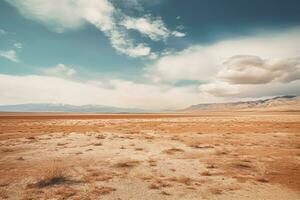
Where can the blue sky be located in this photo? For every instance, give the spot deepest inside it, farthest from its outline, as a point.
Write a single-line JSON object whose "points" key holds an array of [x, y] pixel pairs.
{"points": [[161, 54]]}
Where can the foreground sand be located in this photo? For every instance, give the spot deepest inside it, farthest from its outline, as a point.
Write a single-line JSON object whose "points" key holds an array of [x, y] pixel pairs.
{"points": [[240, 155]]}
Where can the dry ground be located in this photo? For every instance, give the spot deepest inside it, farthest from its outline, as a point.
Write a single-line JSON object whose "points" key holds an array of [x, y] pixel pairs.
{"points": [[238, 155]]}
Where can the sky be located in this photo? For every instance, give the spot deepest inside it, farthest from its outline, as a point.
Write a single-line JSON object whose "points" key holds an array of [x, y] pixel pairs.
{"points": [[158, 54]]}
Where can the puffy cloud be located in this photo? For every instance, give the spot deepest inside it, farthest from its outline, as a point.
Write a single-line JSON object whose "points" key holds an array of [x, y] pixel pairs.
{"points": [[154, 29], [255, 70], [55, 14], [190, 64], [219, 89], [178, 34], [61, 70], [10, 55], [62, 15], [203, 62]]}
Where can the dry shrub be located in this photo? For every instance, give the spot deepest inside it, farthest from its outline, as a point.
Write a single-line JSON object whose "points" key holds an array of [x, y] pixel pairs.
{"points": [[157, 184], [139, 149], [152, 162], [221, 151], [61, 144], [200, 146], [66, 192], [216, 191], [100, 137], [183, 180], [31, 138], [172, 151], [99, 176], [242, 165], [206, 173], [127, 163], [52, 174], [103, 190], [165, 193], [263, 180]]}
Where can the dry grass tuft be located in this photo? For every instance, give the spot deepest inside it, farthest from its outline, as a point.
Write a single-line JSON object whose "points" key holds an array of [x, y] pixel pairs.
{"points": [[128, 163], [152, 162], [216, 191], [98, 144], [221, 151], [157, 184], [31, 138], [206, 173], [139, 149], [263, 180], [172, 151], [99, 176], [242, 165], [52, 174], [66, 192], [182, 180], [103, 190], [165, 193]]}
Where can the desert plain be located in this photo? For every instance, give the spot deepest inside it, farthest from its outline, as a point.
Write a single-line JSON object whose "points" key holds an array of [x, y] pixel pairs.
{"points": [[205, 155]]}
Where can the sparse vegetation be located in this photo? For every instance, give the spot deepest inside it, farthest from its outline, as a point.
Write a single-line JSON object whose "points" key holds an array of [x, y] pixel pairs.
{"points": [[172, 151], [127, 163], [53, 173], [102, 157], [103, 190], [216, 191]]}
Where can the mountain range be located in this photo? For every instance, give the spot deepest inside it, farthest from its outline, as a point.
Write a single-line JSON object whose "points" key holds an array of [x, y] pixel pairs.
{"points": [[280, 103]]}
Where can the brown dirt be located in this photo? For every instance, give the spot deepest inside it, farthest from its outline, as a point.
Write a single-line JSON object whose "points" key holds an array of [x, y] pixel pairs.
{"points": [[212, 155]]}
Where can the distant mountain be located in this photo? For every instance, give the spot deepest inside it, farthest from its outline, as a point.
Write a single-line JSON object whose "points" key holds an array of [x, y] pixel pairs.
{"points": [[280, 103], [67, 108]]}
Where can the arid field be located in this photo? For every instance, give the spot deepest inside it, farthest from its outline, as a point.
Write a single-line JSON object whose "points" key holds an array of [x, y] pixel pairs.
{"points": [[208, 155]]}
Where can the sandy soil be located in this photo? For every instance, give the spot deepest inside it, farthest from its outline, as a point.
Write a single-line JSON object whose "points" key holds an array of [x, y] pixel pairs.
{"points": [[238, 155]]}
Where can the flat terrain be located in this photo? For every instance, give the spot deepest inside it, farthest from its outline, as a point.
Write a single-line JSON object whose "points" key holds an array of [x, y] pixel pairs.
{"points": [[213, 155]]}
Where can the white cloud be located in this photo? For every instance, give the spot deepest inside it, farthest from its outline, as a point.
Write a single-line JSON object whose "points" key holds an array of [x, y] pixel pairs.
{"points": [[219, 89], [10, 55], [121, 93], [62, 15], [190, 64], [203, 62], [255, 70], [61, 70], [154, 29], [178, 34]]}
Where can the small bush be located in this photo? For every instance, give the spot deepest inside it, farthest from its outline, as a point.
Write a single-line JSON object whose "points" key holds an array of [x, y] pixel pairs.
{"points": [[52, 174]]}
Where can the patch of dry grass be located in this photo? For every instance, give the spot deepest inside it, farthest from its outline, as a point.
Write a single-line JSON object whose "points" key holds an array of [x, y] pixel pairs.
{"points": [[103, 190], [216, 191], [172, 151], [157, 184], [182, 180], [127, 163], [52, 174], [206, 173]]}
